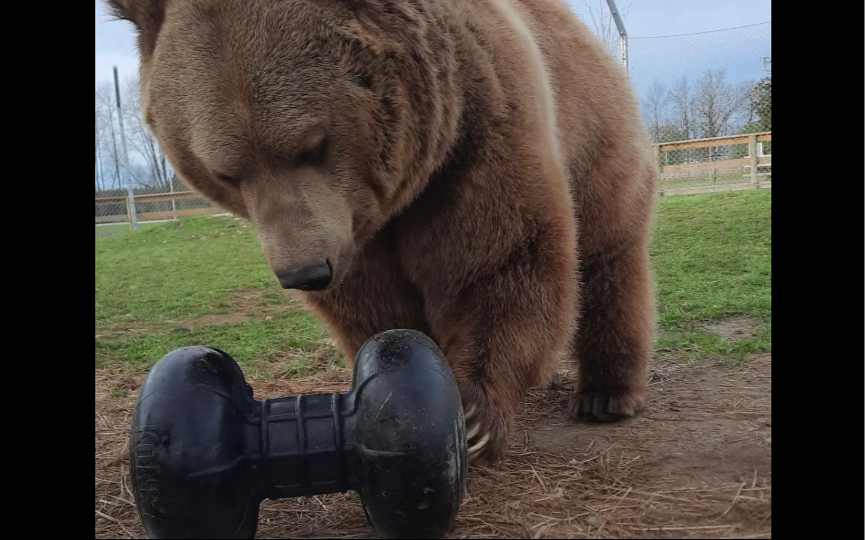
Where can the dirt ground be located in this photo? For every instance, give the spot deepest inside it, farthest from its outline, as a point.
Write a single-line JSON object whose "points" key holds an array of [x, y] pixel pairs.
{"points": [[695, 464]]}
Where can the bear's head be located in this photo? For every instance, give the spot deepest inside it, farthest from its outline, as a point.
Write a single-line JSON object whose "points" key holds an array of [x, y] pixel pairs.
{"points": [[289, 113]]}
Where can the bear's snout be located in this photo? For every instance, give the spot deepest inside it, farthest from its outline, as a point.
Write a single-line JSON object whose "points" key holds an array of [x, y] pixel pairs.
{"points": [[314, 277]]}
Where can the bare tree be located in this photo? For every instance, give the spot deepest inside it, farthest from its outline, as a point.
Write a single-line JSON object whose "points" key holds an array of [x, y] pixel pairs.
{"points": [[719, 105], [100, 180], [655, 108], [110, 139], [605, 26], [142, 140], [148, 167], [682, 102], [138, 137]]}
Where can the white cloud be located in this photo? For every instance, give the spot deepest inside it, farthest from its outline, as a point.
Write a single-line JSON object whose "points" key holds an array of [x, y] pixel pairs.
{"points": [[115, 46]]}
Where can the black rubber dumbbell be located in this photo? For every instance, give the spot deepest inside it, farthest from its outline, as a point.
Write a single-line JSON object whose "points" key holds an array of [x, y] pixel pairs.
{"points": [[204, 453]]}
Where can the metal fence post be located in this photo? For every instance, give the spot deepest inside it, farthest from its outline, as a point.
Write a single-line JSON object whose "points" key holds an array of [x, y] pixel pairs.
{"points": [[623, 35]]}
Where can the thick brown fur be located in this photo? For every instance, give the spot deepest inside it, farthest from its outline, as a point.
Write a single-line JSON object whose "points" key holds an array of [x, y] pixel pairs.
{"points": [[474, 169]]}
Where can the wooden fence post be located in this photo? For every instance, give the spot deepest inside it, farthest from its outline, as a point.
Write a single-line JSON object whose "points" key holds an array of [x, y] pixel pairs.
{"points": [[752, 152], [129, 214]]}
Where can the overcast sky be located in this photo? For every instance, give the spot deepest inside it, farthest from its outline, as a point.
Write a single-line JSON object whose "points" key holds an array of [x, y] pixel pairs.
{"points": [[665, 59]]}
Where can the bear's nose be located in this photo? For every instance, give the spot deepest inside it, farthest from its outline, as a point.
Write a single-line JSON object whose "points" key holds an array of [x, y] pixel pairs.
{"points": [[314, 277]]}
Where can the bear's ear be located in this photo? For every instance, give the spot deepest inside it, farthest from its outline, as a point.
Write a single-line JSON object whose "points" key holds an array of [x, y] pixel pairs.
{"points": [[141, 13], [146, 15]]}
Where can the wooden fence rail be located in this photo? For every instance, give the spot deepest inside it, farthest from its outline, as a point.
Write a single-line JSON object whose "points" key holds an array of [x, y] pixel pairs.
{"points": [[754, 167], [159, 197]]}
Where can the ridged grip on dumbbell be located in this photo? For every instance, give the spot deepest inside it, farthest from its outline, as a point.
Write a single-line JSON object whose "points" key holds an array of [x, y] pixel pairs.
{"points": [[304, 447]]}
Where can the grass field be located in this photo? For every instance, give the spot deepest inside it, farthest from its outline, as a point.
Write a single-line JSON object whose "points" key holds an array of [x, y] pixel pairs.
{"points": [[706, 180], [113, 229], [203, 280], [696, 463]]}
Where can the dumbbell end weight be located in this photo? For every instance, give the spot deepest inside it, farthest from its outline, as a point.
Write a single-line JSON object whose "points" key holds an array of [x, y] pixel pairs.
{"points": [[191, 473], [410, 436], [204, 453]]}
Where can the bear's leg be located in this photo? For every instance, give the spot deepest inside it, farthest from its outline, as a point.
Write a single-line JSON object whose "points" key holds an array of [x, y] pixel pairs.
{"points": [[614, 340], [503, 335], [493, 369]]}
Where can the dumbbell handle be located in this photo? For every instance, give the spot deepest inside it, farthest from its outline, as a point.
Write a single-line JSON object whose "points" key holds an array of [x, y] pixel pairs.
{"points": [[307, 445]]}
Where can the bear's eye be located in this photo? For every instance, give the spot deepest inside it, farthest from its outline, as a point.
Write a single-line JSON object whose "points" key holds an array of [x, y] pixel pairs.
{"points": [[313, 156]]}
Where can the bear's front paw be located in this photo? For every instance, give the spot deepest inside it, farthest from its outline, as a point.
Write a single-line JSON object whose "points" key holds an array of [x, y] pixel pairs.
{"points": [[605, 405], [486, 435]]}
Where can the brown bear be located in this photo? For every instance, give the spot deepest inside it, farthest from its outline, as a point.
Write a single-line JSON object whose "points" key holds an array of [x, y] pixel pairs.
{"points": [[473, 169]]}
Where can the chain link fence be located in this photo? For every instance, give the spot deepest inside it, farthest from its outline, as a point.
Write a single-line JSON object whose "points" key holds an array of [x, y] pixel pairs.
{"points": [[706, 99], [151, 203]]}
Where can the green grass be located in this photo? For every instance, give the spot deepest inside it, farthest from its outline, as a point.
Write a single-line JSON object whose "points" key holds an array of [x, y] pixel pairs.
{"points": [[119, 393], [105, 231], [186, 269], [181, 269], [707, 181], [293, 335], [711, 258]]}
